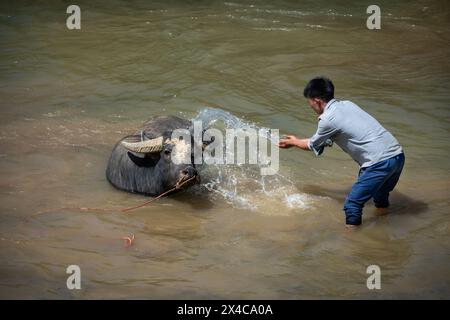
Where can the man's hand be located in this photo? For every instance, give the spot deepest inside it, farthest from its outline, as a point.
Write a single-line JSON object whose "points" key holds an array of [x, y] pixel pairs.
{"points": [[288, 142], [292, 141]]}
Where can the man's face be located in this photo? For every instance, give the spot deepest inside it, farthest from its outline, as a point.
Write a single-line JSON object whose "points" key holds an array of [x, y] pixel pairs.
{"points": [[316, 104]]}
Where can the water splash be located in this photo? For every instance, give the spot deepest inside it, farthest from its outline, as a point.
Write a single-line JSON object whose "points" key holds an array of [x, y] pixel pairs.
{"points": [[242, 186], [213, 116], [221, 119]]}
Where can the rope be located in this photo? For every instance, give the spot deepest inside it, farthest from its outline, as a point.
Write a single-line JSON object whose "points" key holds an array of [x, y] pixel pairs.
{"points": [[177, 186]]}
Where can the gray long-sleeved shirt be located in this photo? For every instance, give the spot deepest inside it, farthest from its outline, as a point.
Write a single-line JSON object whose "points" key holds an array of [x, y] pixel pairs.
{"points": [[356, 132]]}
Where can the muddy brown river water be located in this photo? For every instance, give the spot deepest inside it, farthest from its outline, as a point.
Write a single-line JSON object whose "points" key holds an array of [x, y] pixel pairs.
{"points": [[66, 96]]}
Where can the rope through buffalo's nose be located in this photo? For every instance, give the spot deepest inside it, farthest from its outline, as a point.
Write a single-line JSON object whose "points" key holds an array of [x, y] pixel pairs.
{"points": [[178, 185]]}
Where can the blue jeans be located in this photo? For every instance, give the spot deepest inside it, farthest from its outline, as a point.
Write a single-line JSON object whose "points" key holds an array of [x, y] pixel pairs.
{"points": [[375, 181]]}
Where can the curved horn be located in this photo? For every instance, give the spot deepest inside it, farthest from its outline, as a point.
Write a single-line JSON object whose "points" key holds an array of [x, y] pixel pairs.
{"points": [[147, 146]]}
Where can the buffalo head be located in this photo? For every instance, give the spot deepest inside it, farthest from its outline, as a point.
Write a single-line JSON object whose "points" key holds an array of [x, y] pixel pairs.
{"points": [[153, 165]]}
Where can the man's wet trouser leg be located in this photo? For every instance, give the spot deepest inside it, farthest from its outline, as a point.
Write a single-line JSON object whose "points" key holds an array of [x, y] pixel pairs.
{"points": [[376, 181]]}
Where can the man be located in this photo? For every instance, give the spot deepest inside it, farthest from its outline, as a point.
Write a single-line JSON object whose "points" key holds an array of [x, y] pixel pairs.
{"points": [[377, 152]]}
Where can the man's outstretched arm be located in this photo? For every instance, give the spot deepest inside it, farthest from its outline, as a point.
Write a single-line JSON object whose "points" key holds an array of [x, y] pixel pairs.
{"points": [[293, 141]]}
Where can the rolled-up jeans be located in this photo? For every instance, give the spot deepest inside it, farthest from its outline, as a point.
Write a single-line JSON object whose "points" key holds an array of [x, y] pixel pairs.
{"points": [[376, 182]]}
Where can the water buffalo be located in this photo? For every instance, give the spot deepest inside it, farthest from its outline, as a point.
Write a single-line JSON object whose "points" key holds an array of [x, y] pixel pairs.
{"points": [[142, 163]]}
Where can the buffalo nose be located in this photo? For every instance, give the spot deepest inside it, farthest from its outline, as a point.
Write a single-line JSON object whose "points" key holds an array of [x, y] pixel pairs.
{"points": [[190, 171]]}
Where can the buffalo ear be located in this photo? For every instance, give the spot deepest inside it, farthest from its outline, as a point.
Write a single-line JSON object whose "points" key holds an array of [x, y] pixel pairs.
{"points": [[147, 161]]}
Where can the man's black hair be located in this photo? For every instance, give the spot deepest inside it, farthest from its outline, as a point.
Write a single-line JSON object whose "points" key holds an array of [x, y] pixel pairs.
{"points": [[321, 88]]}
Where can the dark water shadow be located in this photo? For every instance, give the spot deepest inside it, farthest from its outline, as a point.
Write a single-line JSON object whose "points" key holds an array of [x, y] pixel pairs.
{"points": [[400, 202], [338, 194], [196, 199], [403, 204]]}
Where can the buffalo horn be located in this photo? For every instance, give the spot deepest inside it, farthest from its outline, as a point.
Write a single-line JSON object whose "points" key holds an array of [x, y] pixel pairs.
{"points": [[147, 146]]}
